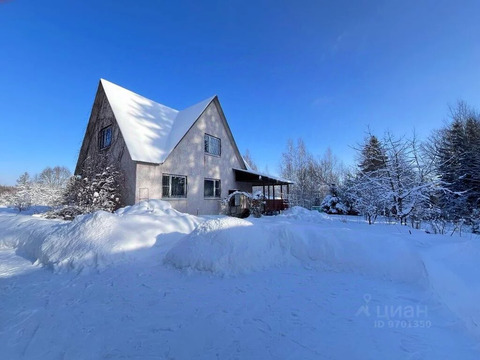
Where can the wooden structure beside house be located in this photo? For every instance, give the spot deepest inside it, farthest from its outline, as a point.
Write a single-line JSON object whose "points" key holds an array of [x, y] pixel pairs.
{"points": [[188, 157]]}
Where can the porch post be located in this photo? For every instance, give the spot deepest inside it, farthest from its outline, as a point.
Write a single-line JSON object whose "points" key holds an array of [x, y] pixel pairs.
{"points": [[288, 195], [274, 202]]}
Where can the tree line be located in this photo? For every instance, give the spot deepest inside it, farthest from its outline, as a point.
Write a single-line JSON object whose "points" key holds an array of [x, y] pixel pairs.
{"points": [[67, 195], [437, 180]]}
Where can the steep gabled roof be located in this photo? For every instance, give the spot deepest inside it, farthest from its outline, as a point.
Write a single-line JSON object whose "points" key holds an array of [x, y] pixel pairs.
{"points": [[151, 130]]}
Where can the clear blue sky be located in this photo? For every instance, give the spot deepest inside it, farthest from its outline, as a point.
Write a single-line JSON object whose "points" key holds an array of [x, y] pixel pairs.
{"points": [[319, 70]]}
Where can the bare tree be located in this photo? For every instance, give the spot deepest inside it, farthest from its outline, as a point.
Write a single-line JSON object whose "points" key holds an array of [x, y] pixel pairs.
{"points": [[56, 177], [247, 157], [312, 177]]}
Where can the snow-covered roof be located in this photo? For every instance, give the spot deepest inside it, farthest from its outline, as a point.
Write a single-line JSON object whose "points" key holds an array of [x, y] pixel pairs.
{"points": [[151, 130], [254, 176]]}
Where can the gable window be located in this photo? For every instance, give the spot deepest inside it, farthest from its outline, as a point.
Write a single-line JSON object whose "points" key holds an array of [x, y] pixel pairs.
{"points": [[212, 145], [105, 137], [174, 186], [211, 188]]}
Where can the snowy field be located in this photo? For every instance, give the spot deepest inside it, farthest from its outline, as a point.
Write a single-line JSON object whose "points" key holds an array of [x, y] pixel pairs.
{"points": [[151, 283]]}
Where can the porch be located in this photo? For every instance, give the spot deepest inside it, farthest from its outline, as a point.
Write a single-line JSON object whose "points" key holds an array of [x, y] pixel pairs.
{"points": [[275, 190]]}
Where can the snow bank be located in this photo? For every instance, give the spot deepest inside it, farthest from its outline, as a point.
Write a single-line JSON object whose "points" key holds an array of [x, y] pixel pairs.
{"points": [[454, 274], [95, 240], [156, 207], [228, 246], [300, 213]]}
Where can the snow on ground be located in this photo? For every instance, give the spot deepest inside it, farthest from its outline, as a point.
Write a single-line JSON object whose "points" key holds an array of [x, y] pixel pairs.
{"points": [[230, 245], [95, 240], [152, 283]]}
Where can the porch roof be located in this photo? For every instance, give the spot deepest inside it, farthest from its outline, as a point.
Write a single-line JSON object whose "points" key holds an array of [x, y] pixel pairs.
{"points": [[258, 178]]}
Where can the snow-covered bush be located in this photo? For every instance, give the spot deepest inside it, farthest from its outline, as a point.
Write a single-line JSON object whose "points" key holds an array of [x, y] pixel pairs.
{"points": [[64, 212], [6, 193], [46, 189], [333, 205], [49, 186], [99, 190], [475, 220]]}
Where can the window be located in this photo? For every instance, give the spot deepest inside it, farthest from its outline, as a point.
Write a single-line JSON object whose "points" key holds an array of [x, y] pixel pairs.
{"points": [[211, 188], [105, 137], [174, 186], [212, 145]]}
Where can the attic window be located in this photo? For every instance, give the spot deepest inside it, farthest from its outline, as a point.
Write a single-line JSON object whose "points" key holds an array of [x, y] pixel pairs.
{"points": [[213, 145], [105, 137]]}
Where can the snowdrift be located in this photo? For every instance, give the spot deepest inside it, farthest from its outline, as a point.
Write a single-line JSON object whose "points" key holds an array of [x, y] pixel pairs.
{"points": [[221, 245], [446, 265], [454, 274], [96, 240], [228, 246]]}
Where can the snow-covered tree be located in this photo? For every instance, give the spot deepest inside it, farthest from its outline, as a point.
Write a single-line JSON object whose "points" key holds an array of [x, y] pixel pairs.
{"points": [[372, 156], [98, 188], [391, 179], [45, 189], [365, 189], [455, 153], [22, 197], [49, 186], [363, 192], [332, 204]]}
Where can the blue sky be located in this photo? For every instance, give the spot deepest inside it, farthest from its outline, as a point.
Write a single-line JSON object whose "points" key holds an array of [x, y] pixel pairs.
{"points": [[320, 70]]}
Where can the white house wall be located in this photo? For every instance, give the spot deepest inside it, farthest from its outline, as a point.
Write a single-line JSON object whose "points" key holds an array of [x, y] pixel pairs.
{"points": [[189, 159]]}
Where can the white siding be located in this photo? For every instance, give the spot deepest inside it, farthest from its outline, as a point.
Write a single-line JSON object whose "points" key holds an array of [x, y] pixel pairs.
{"points": [[189, 159]]}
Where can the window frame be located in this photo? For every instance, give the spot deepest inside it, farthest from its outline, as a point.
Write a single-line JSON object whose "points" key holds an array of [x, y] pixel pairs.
{"points": [[102, 138], [217, 191], [207, 147], [170, 187]]}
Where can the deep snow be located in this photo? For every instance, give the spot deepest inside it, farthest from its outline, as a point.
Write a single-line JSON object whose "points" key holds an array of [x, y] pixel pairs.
{"points": [[149, 282]]}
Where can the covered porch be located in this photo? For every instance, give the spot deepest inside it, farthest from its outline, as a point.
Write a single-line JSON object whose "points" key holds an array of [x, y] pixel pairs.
{"points": [[275, 190]]}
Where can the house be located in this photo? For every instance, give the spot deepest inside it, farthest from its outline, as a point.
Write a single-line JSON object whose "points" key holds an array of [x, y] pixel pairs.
{"points": [[186, 157]]}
